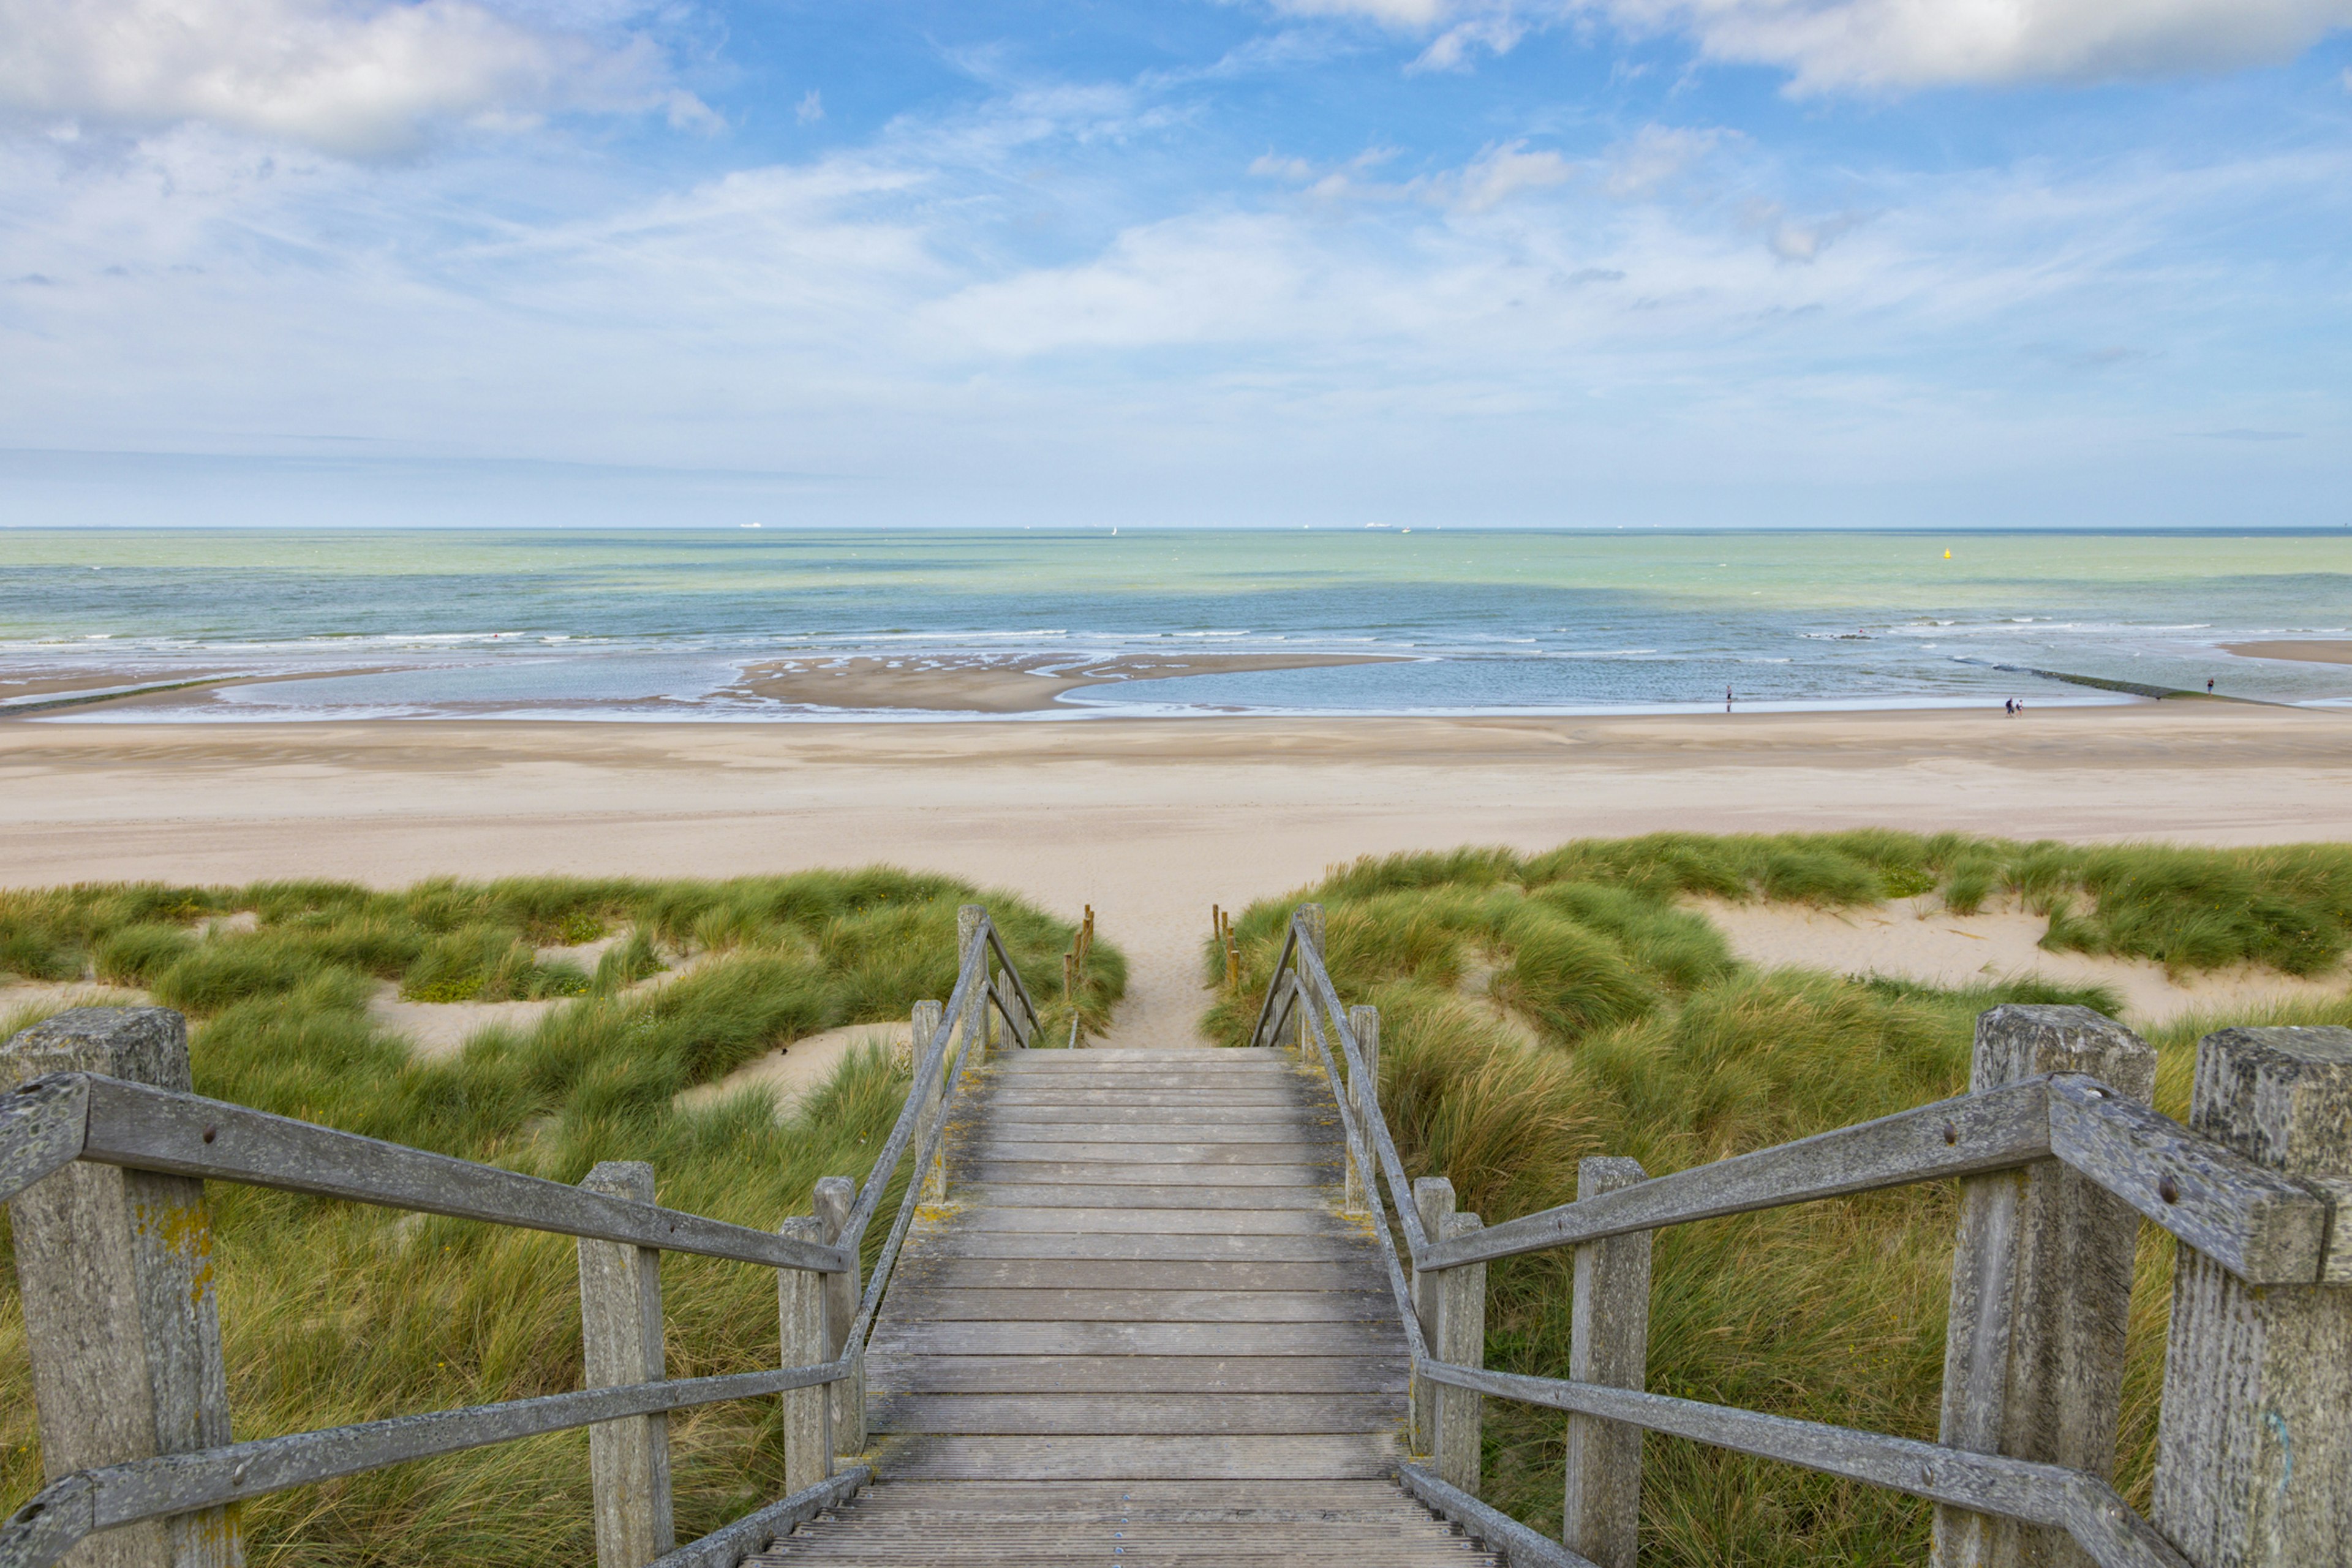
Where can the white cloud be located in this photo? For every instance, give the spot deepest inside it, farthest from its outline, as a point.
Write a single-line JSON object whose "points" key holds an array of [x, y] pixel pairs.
{"points": [[1502, 172], [1877, 44], [811, 110], [358, 81], [1654, 155], [1794, 240]]}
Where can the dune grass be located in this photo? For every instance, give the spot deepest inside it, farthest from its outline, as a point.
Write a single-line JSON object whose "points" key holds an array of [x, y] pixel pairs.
{"points": [[1537, 1010], [339, 1313], [2288, 906]]}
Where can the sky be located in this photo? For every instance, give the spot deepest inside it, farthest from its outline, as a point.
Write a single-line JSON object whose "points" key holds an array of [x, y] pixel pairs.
{"points": [[1555, 263]]}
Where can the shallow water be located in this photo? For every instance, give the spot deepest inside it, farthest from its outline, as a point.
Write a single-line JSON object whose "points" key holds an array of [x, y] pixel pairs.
{"points": [[657, 625]]}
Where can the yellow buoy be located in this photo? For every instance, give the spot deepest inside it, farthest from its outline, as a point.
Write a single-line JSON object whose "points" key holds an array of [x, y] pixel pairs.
{"points": [[1948, 555]]}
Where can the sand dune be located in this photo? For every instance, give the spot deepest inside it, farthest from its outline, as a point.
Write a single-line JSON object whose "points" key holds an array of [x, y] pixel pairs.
{"points": [[1150, 821]]}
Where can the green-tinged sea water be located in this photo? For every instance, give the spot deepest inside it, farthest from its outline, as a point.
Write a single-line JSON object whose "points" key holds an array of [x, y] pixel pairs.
{"points": [[659, 624]]}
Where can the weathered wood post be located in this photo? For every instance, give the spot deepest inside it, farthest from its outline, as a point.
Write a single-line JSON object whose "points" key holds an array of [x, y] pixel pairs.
{"points": [[1432, 1200], [969, 919], [1310, 921], [2254, 1464], [835, 1196], [921, 1031], [1461, 1339], [621, 1343], [1363, 1092], [1609, 1342], [2042, 1277], [120, 1321], [808, 1412]]}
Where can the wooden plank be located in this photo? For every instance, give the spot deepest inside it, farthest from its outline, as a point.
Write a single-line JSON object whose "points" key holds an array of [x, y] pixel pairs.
{"points": [[1975, 1133], [2262, 1227], [1167, 1415], [1035, 1194], [1165, 1498], [147, 1128], [1159, 1221], [1158, 1099], [1352, 1457], [896, 1341], [1007, 1113], [1294, 1151], [1135, 1274], [1163, 1248], [1147, 1375], [1281, 1130], [1144, 1306], [1115, 1173]]}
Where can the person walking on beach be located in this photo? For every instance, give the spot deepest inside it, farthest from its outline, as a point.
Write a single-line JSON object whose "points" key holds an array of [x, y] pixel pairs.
{"points": [[1726, 699], [2009, 706], [2209, 686]]}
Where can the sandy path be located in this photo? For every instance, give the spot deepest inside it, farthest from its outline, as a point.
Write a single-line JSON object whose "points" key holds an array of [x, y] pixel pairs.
{"points": [[1150, 821]]}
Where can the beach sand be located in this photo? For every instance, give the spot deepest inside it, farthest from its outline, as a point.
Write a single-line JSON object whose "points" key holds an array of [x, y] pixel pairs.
{"points": [[2337, 650], [1150, 821]]}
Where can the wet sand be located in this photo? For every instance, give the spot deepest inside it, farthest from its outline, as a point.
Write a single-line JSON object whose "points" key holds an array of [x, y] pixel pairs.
{"points": [[2338, 650], [984, 683], [1150, 821]]}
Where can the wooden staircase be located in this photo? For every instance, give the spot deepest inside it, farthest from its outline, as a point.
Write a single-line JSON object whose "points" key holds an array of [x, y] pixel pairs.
{"points": [[1138, 1332]]}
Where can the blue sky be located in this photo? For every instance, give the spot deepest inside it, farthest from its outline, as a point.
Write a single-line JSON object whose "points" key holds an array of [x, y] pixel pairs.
{"points": [[1479, 262]]}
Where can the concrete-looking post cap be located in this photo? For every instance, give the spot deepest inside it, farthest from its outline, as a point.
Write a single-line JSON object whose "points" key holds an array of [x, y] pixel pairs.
{"points": [[2296, 1048]]}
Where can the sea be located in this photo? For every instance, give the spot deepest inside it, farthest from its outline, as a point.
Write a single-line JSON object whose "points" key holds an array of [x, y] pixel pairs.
{"points": [[658, 625]]}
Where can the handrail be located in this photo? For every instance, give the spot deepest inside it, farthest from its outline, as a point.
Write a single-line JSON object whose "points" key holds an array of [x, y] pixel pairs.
{"points": [[53, 1121], [60, 1118], [2076, 1502], [2260, 1226]]}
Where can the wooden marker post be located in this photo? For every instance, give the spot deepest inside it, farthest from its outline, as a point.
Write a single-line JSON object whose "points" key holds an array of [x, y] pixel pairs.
{"points": [[832, 1200], [121, 1322], [1461, 1339], [969, 918], [1432, 1200], [1310, 922], [1609, 1342], [808, 1412], [928, 1015], [2253, 1459], [1364, 1095], [621, 1343], [2042, 1277]]}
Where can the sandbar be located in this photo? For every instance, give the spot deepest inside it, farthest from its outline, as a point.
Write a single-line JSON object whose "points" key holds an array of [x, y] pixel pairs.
{"points": [[988, 683], [2309, 650]]}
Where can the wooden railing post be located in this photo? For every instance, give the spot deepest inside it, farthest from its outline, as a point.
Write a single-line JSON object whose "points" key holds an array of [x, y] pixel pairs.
{"points": [[1609, 1342], [808, 1412], [2041, 1277], [832, 1199], [1461, 1339], [1364, 1094], [1310, 919], [621, 1343], [2254, 1465], [1432, 1200], [120, 1321], [925, 1086], [969, 919]]}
